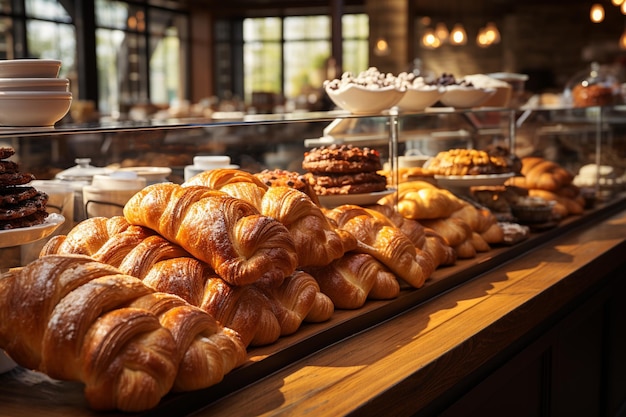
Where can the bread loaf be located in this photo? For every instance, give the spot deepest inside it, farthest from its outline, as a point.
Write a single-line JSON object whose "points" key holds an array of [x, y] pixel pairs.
{"points": [[228, 233]]}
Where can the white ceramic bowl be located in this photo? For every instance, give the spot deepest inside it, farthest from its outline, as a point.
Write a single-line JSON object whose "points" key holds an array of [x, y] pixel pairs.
{"points": [[33, 108], [29, 68], [34, 84], [152, 175], [463, 97], [361, 100], [416, 99]]}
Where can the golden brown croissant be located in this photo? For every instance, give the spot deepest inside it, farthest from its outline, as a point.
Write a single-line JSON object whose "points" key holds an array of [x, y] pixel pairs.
{"points": [[317, 241], [386, 243], [352, 279], [234, 182], [439, 250], [421, 200], [74, 318], [229, 234]]}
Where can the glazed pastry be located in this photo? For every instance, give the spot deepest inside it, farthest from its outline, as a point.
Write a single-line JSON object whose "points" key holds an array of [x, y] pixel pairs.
{"points": [[421, 200]]}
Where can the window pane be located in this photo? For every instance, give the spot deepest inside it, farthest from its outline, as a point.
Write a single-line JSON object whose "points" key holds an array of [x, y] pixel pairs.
{"points": [[355, 26], [263, 29], [164, 68], [355, 55], [262, 68], [47, 9], [53, 41], [111, 14], [305, 64], [6, 39], [307, 27]]}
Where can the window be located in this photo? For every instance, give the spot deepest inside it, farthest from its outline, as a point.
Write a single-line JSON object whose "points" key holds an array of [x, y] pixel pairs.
{"points": [[288, 56]]}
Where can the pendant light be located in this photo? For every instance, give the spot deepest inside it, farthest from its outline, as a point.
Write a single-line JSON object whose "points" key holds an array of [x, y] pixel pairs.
{"points": [[441, 31], [458, 35], [617, 2], [430, 39], [381, 47], [596, 13], [492, 33], [481, 38], [622, 41]]}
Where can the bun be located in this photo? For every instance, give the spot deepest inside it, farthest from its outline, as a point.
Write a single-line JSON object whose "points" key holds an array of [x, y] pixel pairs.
{"points": [[420, 200], [228, 233]]}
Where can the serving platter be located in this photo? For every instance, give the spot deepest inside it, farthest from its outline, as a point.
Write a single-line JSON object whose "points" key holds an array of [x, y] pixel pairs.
{"points": [[24, 235], [364, 199]]}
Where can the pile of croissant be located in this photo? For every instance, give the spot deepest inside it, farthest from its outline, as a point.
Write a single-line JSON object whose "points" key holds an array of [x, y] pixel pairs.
{"points": [[169, 296]]}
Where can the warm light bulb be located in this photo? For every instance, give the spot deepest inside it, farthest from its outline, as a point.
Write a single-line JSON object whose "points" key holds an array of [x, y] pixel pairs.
{"points": [[441, 31], [623, 7], [617, 2], [382, 47], [458, 35], [430, 39], [481, 38], [492, 33], [596, 13]]}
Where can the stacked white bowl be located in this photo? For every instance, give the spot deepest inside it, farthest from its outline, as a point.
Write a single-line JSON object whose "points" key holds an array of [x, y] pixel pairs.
{"points": [[32, 94]]}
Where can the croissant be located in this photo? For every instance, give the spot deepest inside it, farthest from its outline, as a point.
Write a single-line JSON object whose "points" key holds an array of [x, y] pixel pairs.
{"points": [[439, 250], [234, 182], [229, 234], [74, 318], [352, 279], [386, 243], [317, 241], [421, 200]]}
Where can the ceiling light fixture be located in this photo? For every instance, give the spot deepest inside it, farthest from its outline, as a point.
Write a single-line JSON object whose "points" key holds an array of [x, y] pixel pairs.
{"points": [[458, 35], [596, 13]]}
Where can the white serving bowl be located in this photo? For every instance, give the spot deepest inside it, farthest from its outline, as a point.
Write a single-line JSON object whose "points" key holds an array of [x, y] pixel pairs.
{"points": [[29, 68], [463, 97], [362, 100], [34, 84], [152, 175], [33, 108], [416, 99]]}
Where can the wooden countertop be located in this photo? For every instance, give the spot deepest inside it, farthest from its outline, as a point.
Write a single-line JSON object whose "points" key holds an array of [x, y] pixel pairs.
{"points": [[428, 341]]}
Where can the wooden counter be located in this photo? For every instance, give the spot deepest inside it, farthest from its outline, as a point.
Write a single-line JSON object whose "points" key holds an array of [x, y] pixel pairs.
{"points": [[444, 348]]}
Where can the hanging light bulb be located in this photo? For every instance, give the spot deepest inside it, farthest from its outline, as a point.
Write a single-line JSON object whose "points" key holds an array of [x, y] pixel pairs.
{"points": [[492, 33], [617, 2], [381, 47], [481, 38], [441, 31], [623, 8], [430, 39], [458, 35], [596, 13]]}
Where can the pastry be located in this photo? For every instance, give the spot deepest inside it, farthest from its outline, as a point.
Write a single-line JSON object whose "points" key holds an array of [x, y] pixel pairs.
{"points": [[229, 234]]}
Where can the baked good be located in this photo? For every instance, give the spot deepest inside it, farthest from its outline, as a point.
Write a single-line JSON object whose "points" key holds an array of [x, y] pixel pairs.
{"points": [[421, 200], [594, 94], [353, 279], [20, 204], [74, 318], [541, 173], [341, 169], [234, 182], [283, 178], [386, 243], [229, 234], [514, 232], [453, 162]]}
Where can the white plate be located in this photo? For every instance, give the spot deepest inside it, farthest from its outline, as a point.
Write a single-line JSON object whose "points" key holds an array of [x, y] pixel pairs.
{"points": [[364, 199], [462, 181], [24, 235]]}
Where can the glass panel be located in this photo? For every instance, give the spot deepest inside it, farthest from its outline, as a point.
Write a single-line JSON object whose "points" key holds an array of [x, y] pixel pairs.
{"points": [[47, 9], [262, 29], [305, 66], [307, 27], [262, 68], [6, 39], [52, 41]]}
